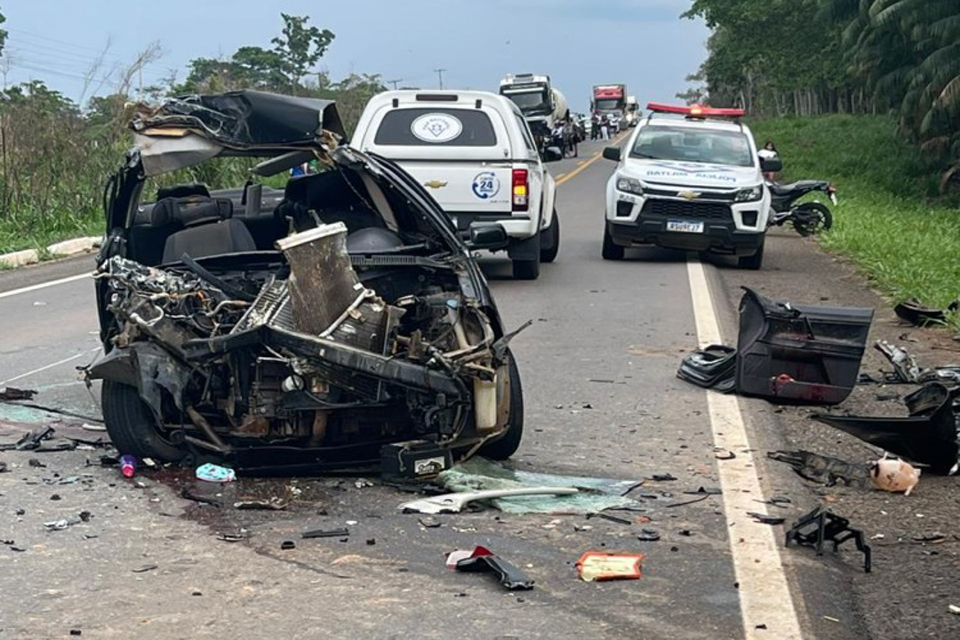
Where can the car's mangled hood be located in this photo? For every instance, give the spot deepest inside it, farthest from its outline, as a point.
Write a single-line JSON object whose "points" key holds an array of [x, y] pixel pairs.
{"points": [[188, 130], [691, 173]]}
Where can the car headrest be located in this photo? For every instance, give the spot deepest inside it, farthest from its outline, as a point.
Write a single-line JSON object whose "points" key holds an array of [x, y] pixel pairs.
{"points": [[190, 211], [183, 191]]}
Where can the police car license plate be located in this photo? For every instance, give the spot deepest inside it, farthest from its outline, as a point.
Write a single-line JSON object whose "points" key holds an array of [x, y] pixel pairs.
{"points": [[685, 226]]}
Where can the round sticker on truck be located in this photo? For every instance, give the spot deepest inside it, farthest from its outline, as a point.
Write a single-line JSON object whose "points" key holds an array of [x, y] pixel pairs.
{"points": [[436, 127], [486, 185]]}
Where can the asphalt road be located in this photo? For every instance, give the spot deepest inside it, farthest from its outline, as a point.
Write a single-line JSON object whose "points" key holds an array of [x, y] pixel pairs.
{"points": [[598, 368]]}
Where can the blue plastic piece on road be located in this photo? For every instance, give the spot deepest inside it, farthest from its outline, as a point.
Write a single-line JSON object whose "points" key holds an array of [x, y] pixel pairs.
{"points": [[215, 473]]}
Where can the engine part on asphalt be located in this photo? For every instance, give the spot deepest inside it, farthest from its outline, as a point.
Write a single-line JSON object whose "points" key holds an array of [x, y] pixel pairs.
{"points": [[907, 370], [455, 502], [928, 436], [799, 354], [914, 312], [595, 566], [821, 526], [595, 495], [823, 469], [416, 460], [482, 559], [713, 367], [895, 476]]}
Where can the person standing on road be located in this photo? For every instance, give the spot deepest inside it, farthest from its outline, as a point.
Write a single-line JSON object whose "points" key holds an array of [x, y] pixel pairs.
{"points": [[605, 127], [594, 127], [769, 151]]}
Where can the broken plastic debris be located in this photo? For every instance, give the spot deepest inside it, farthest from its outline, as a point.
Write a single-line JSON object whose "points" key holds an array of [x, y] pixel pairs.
{"points": [[822, 469], [269, 504], [820, 526], [455, 502], [329, 533], [648, 535], [595, 566], [12, 393], [482, 559], [763, 518], [215, 473], [894, 475]]}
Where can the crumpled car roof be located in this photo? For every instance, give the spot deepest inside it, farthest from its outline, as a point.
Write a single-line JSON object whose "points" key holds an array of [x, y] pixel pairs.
{"points": [[188, 130]]}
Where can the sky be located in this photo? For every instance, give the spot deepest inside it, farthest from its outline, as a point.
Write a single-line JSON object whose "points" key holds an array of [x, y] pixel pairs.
{"points": [[579, 43]]}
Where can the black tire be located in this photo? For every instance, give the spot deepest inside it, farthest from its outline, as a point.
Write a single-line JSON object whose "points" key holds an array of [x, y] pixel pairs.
{"points": [[526, 269], [810, 218], [611, 251], [507, 445], [552, 234], [753, 262], [131, 425]]}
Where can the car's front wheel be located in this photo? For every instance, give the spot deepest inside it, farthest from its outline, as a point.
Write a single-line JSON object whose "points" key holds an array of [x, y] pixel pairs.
{"points": [[507, 445], [131, 425], [753, 262], [611, 251]]}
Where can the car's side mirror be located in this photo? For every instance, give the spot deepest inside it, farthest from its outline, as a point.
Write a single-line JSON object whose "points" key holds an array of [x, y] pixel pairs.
{"points": [[771, 165], [612, 153], [552, 154], [487, 235]]}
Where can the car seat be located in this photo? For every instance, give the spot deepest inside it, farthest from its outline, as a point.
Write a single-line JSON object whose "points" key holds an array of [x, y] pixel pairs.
{"points": [[208, 228]]}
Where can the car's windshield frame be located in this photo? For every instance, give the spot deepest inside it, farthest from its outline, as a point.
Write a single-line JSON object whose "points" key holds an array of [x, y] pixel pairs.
{"points": [[645, 146]]}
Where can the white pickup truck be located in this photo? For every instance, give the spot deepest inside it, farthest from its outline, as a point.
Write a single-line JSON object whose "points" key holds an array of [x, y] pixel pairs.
{"points": [[474, 153]]}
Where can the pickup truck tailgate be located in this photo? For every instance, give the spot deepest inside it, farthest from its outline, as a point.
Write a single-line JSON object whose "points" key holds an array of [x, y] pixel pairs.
{"points": [[465, 187]]}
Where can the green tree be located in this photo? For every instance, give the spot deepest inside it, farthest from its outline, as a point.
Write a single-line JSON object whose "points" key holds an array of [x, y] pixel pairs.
{"points": [[299, 47]]}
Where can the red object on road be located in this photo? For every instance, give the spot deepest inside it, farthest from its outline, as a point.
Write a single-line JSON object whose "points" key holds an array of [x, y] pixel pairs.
{"points": [[128, 466]]}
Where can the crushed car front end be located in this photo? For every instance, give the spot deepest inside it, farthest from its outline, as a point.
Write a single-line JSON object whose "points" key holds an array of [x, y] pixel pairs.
{"points": [[347, 324]]}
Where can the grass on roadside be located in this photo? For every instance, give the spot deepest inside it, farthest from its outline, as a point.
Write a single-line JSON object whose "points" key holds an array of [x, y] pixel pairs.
{"points": [[890, 220]]}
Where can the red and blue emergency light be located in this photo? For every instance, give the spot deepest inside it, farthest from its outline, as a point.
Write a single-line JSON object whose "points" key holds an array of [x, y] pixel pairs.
{"points": [[695, 111]]}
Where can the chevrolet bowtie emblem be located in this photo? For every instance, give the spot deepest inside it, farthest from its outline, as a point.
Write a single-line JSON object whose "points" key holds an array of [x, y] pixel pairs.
{"points": [[689, 195], [435, 184]]}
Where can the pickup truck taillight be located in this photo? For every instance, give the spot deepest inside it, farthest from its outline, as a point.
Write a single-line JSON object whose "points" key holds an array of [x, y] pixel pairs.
{"points": [[521, 190]]}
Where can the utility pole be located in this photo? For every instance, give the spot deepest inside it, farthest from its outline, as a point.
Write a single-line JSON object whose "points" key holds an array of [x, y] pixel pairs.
{"points": [[394, 82], [440, 75]]}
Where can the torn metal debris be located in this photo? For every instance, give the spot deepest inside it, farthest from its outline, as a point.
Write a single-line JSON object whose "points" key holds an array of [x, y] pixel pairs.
{"points": [[823, 469], [907, 370], [820, 526]]}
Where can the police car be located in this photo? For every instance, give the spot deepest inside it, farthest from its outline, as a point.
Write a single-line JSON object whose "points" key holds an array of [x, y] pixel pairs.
{"points": [[474, 153], [689, 178]]}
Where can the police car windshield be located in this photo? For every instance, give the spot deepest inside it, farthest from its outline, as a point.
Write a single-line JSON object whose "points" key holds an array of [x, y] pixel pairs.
{"points": [[686, 144]]}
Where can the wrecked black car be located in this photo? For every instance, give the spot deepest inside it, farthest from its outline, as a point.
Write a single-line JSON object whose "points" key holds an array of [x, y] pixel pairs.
{"points": [[337, 322]]}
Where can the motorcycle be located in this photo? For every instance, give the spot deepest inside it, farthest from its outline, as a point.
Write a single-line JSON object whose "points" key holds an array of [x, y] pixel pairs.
{"points": [[807, 218]]}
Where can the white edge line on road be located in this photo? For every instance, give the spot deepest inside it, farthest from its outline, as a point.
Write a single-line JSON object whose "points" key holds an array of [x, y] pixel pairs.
{"points": [[48, 366], [44, 285], [765, 597]]}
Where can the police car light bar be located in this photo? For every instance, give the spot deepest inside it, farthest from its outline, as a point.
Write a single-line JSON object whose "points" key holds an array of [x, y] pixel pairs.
{"points": [[695, 111]]}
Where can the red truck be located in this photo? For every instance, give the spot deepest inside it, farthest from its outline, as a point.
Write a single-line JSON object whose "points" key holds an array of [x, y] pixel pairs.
{"points": [[610, 100]]}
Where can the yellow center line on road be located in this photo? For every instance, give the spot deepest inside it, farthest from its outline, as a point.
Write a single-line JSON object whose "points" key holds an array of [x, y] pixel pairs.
{"points": [[586, 163]]}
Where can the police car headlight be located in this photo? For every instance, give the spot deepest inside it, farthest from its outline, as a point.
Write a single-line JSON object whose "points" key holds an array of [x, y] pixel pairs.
{"points": [[750, 195], [630, 185]]}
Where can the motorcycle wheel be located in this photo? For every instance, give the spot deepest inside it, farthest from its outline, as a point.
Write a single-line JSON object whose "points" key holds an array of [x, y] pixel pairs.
{"points": [[810, 218]]}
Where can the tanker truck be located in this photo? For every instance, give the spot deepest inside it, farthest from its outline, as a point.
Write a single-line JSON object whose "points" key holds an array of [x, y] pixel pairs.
{"points": [[542, 106]]}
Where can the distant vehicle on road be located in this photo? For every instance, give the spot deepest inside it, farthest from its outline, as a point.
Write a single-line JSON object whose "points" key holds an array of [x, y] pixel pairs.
{"points": [[693, 183], [633, 112], [474, 153], [609, 100], [542, 105]]}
